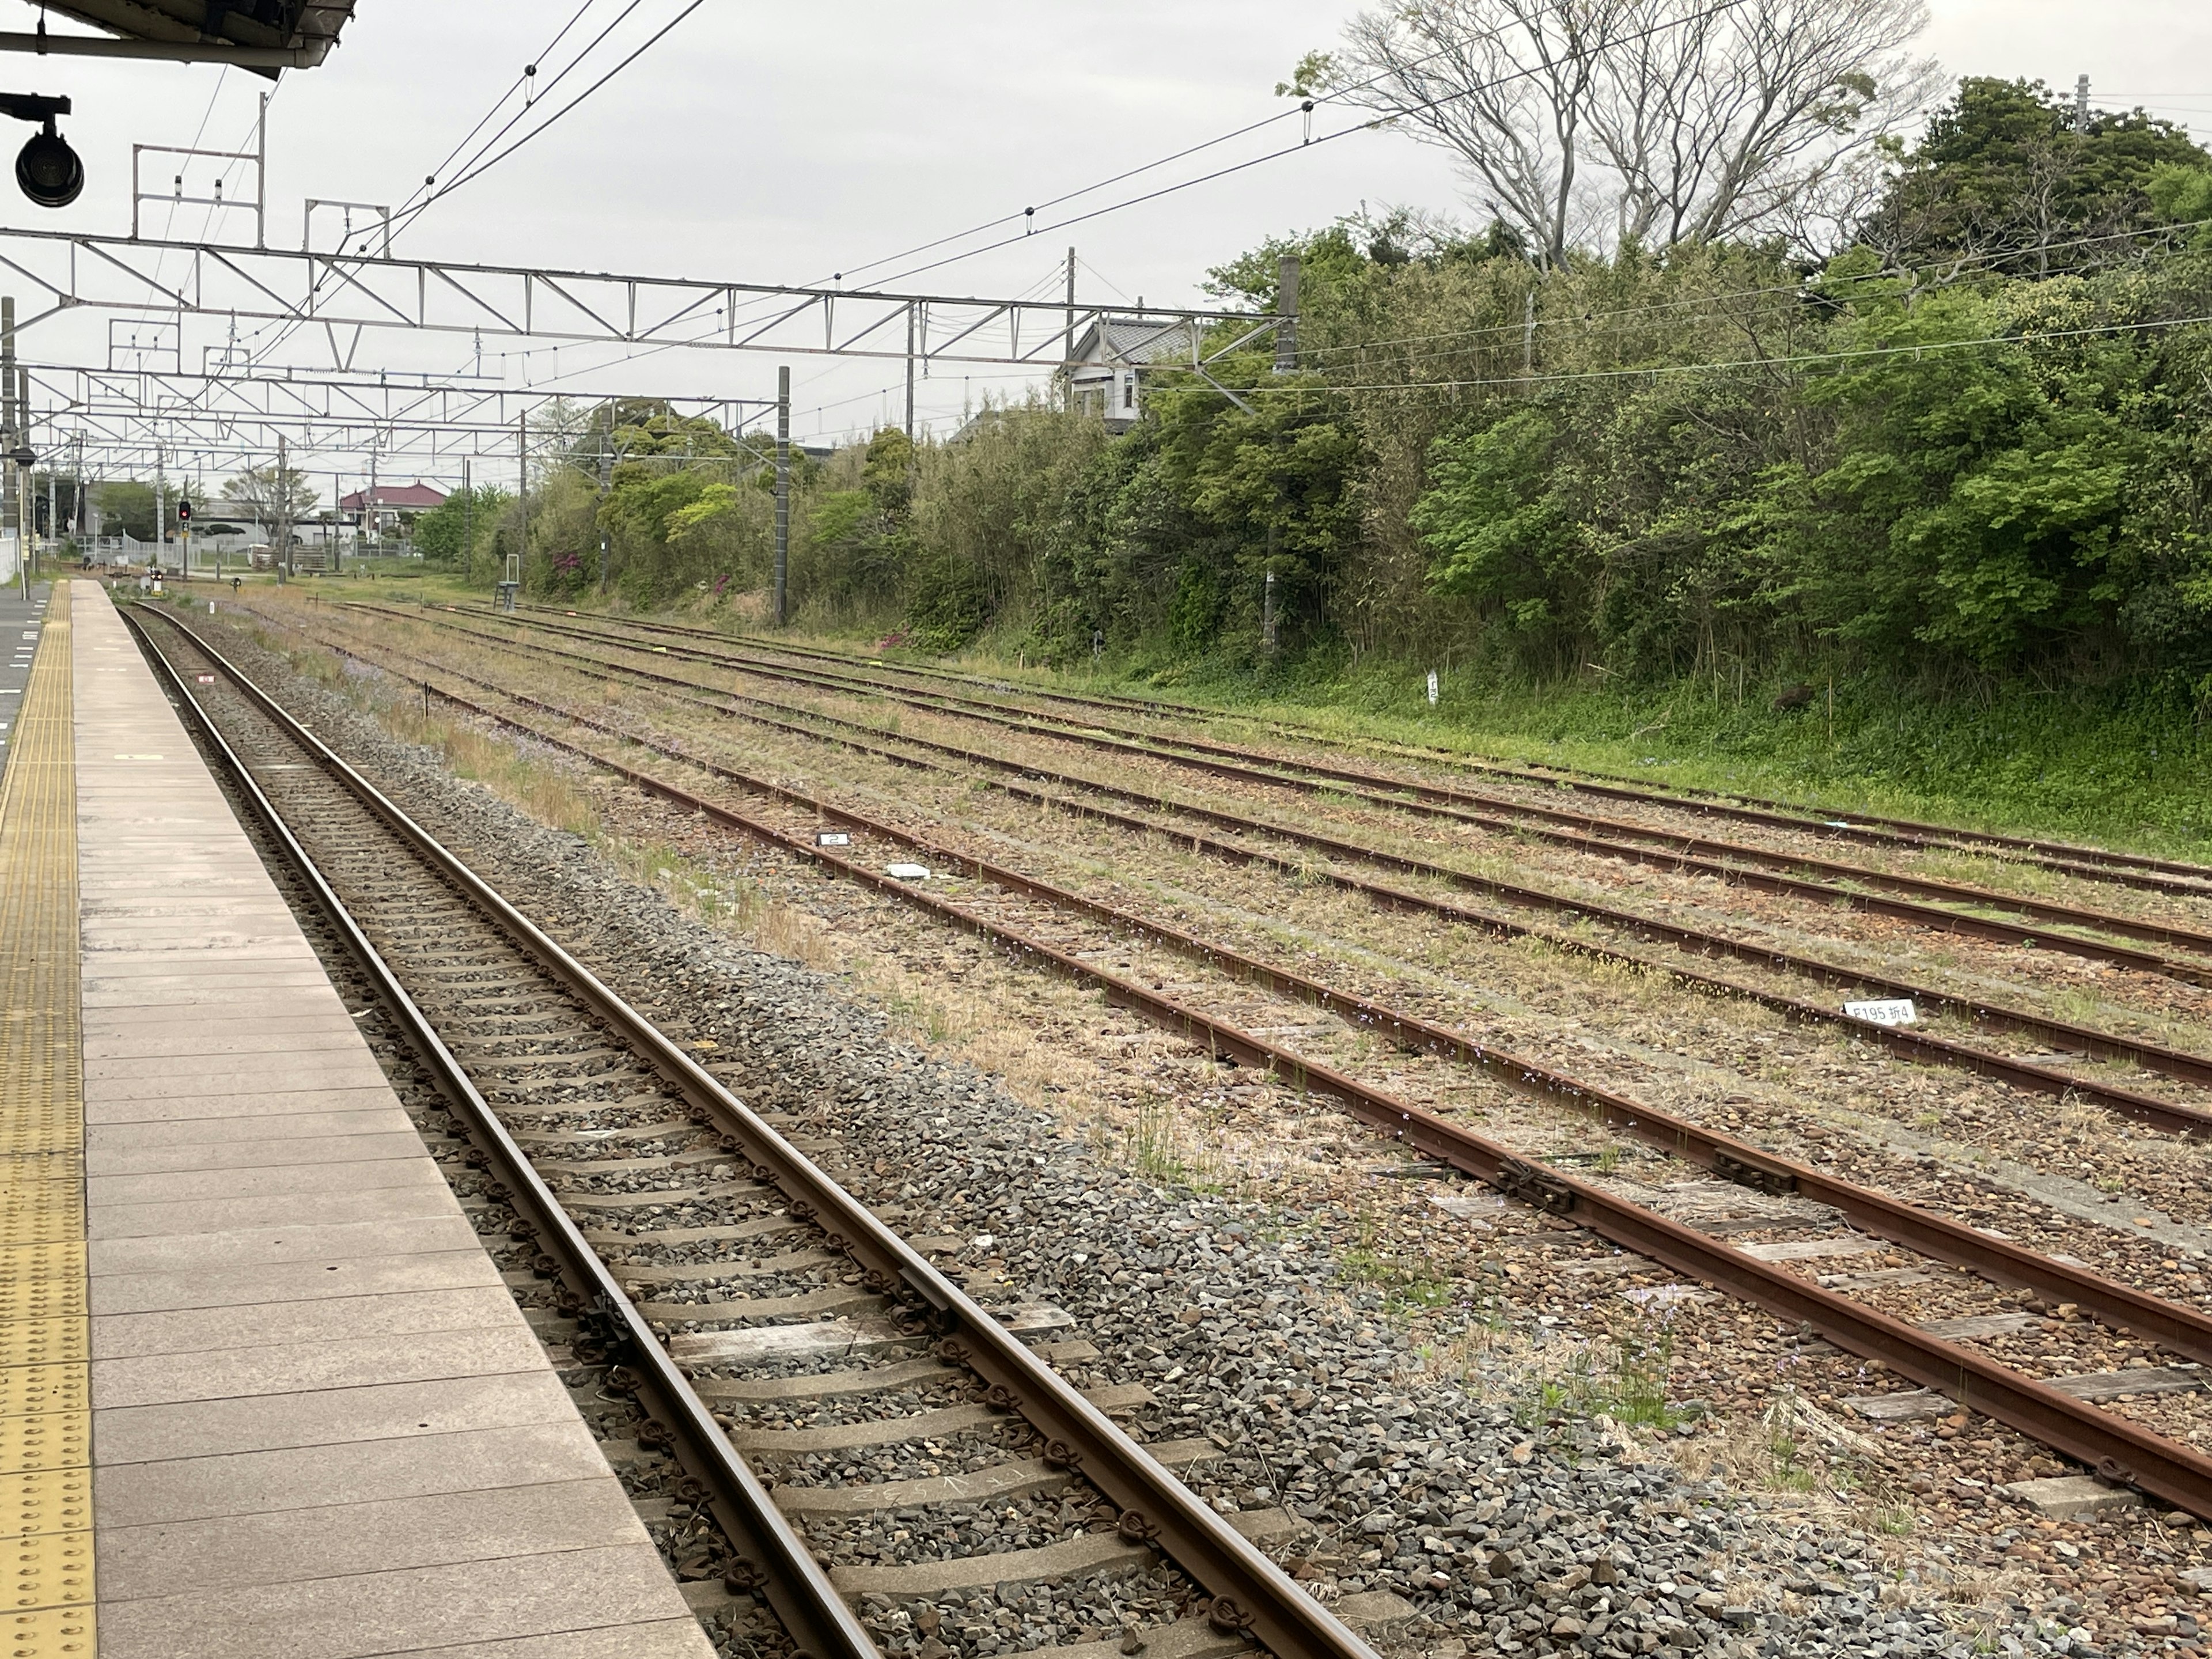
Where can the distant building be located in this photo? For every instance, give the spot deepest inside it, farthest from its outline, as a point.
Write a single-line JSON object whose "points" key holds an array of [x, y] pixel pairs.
{"points": [[388, 506], [1105, 376]]}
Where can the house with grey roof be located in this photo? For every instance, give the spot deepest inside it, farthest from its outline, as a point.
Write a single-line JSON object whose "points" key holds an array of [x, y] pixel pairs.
{"points": [[1105, 371]]}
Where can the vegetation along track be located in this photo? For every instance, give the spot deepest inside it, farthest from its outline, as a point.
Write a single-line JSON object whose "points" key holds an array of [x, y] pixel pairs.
{"points": [[1734, 863], [2095, 864], [2056, 1411], [638, 1172], [1912, 1044]]}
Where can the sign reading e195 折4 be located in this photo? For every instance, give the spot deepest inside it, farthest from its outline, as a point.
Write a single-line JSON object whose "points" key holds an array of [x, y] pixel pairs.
{"points": [[1897, 1011]]}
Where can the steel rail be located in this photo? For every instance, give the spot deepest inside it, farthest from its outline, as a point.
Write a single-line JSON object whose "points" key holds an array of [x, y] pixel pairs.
{"points": [[795, 1585], [1937, 920], [1249, 1593], [1873, 829], [2120, 1450], [1945, 921], [1692, 853], [1911, 1225], [1919, 1046], [2126, 869]]}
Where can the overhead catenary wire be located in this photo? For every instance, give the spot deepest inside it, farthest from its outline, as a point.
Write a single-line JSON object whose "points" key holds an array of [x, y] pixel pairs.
{"points": [[478, 169], [413, 209], [1792, 359]]}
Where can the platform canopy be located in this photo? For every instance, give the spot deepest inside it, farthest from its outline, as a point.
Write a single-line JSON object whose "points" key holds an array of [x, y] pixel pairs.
{"points": [[268, 35]]}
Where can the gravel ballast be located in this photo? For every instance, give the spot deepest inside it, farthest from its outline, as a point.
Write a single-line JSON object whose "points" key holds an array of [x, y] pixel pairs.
{"points": [[1503, 1526]]}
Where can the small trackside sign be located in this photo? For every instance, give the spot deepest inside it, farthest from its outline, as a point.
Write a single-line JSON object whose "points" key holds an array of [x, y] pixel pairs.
{"points": [[833, 838], [1898, 1012]]}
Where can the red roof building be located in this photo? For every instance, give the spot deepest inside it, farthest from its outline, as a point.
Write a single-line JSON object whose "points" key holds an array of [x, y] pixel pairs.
{"points": [[417, 498]]}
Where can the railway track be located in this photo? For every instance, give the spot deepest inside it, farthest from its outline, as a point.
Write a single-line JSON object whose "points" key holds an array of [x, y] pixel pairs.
{"points": [[2059, 1412], [1872, 829], [1734, 863], [705, 1264], [1912, 1044]]}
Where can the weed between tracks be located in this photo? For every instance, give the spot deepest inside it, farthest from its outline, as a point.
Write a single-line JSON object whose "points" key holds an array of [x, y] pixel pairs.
{"points": [[1183, 1121]]}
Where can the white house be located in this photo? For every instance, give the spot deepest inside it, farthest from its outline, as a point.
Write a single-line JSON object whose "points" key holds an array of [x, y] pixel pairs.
{"points": [[1105, 370]]}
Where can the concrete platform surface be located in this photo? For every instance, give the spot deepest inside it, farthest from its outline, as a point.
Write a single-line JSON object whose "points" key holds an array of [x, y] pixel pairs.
{"points": [[321, 1428]]}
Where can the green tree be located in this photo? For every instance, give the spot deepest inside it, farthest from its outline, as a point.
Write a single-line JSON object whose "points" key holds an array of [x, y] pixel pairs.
{"points": [[451, 532], [2002, 178], [126, 507]]}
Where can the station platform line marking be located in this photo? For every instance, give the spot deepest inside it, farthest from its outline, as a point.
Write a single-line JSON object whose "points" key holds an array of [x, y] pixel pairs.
{"points": [[45, 1417]]}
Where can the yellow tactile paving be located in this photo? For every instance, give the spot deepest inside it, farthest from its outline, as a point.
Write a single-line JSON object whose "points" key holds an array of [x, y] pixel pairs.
{"points": [[46, 1424]]}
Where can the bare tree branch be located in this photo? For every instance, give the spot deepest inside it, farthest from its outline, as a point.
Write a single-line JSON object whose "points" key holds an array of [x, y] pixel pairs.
{"points": [[1584, 123]]}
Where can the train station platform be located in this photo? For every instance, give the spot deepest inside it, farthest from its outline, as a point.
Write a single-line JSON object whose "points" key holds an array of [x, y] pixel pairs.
{"points": [[263, 1394]]}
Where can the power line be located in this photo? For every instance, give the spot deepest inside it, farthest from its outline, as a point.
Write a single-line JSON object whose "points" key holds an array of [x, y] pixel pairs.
{"points": [[1795, 360], [479, 168]]}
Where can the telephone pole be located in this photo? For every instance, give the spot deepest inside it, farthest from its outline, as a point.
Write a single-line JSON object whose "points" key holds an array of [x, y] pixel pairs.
{"points": [[782, 494], [1067, 345], [10, 507], [2081, 103], [283, 513], [606, 475], [911, 306], [521, 498]]}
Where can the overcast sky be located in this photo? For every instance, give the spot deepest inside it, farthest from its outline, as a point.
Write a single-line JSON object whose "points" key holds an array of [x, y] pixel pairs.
{"points": [[783, 143]]}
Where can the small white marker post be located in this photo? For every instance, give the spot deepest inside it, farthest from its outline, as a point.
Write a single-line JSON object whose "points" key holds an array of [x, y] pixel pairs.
{"points": [[1433, 688]]}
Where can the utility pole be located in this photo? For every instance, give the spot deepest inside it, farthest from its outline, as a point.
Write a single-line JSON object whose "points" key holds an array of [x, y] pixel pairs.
{"points": [[1529, 336], [2081, 103], [468, 519], [1286, 314], [374, 522], [283, 513], [1067, 346], [10, 515], [522, 495], [607, 476], [910, 306], [161, 509], [782, 494], [28, 484]]}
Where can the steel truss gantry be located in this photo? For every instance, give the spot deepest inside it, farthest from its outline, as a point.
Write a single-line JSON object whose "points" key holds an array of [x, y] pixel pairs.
{"points": [[339, 297], [115, 414]]}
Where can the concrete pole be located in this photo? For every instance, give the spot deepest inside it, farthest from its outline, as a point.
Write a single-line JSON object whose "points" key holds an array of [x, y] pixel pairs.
{"points": [[1287, 312], [283, 511], [782, 495], [522, 493], [1067, 345], [11, 509], [606, 477]]}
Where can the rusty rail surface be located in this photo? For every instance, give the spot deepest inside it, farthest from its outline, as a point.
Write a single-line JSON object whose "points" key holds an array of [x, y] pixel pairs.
{"points": [[1873, 830], [1918, 1046], [2119, 1449], [1759, 879]]}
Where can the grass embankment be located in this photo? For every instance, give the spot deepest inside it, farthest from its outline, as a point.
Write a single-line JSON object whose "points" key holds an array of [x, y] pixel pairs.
{"points": [[2129, 767]]}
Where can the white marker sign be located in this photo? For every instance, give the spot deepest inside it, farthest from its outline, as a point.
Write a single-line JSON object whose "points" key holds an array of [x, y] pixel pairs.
{"points": [[833, 838], [1898, 1013]]}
